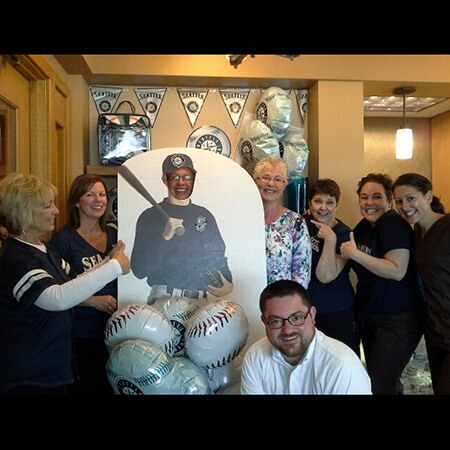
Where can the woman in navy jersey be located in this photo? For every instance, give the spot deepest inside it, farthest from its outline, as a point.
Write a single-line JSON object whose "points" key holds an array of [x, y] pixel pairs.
{"points": [[330, 287], [38, 290], [85, 242]]}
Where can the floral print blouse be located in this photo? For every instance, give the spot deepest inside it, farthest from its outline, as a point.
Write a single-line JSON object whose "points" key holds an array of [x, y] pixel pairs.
{"points": [[288, 249]]}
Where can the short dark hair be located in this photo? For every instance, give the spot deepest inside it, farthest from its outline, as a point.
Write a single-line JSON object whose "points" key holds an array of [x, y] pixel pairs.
{"points": [[283, 288], [381, 178], [325, 186]]}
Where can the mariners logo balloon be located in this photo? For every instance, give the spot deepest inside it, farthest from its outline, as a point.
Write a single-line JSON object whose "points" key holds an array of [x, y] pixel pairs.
{"points": [[137, 367], [178, 310], [275, 110]]}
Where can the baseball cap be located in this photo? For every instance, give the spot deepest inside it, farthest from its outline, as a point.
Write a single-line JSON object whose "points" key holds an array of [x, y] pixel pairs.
{"points": [[177, 161]]}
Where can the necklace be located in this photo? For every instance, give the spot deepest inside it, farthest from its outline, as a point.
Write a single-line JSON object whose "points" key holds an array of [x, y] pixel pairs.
{"points": [[95, 238]]}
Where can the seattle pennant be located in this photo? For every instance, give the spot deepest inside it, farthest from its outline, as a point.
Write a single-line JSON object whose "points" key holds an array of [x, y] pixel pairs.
{"points": [[105, 97], [150, 100], [234, 100], [193, 100]]}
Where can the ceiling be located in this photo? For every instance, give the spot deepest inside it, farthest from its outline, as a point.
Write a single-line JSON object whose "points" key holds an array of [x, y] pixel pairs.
{"points": [[429, 99], [394, 103]]}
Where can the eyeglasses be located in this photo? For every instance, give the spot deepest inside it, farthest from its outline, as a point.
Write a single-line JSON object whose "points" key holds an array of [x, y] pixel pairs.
{"points": [[296, 320], [276, 180], [178, 177]]}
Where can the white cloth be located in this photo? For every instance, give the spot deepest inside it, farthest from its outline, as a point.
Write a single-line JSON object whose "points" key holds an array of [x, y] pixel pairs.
{"points": [[329, 367], [61, 297]]}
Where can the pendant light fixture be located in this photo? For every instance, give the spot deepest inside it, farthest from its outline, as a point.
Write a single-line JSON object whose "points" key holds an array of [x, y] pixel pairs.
{"points": [[404, 137]]}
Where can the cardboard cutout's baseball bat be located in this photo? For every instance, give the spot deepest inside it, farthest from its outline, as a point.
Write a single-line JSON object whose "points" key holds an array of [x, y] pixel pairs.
{"points": [[133, 181]]}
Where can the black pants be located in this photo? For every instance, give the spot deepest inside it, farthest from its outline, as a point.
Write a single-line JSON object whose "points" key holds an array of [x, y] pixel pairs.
{"points": [[388, 342], [341, 325], [439, 361], [91, 359]]}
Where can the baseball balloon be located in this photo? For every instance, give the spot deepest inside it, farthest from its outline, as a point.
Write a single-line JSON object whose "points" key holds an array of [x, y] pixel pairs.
{"points": [[257, 141], [138, 367], [140, 321], [275, 110], [178, 310], [222, 377], [216, 334], [195, 378]]}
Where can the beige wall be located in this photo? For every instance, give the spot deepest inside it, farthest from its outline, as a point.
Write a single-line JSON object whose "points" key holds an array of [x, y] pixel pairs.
{"points": [[336, 140], [379, 146], [440, 161]]}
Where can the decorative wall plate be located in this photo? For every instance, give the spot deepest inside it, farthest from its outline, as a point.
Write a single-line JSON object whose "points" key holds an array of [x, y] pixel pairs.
{"points": [[210, 138]]}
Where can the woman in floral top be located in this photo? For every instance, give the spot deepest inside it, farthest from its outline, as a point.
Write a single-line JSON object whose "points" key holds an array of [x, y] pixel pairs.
{"points": [[288, 245]]}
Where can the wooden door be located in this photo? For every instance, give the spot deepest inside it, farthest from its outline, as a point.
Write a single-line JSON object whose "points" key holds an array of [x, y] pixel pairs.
{"points": [[36, 102], [14, 120]]}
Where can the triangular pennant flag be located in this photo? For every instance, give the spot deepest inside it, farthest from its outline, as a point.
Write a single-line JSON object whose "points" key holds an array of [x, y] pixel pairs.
{"points": [[193, 100], [302, 100], [105, 98], [234, 100], [150, 100]]}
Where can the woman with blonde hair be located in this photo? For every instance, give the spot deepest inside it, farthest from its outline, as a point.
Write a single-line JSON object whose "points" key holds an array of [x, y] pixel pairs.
{"points": [[38, 290], [288, 246]]}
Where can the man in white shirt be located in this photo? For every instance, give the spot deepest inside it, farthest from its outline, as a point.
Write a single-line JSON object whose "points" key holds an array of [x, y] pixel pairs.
{"points": [[295, 357]]}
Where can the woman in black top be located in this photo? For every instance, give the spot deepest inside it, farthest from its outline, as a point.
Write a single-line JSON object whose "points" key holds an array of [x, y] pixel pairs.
{"points": [[388, 291]]}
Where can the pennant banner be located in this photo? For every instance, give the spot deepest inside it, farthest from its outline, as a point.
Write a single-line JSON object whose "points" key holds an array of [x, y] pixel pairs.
{"points": [[105, 97], [234, 100], [150, 100], [193, 100], [302, 100]]}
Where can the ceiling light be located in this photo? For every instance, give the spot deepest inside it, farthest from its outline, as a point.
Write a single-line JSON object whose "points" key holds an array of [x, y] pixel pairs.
{"points": [[392, 103], [404, 137]]}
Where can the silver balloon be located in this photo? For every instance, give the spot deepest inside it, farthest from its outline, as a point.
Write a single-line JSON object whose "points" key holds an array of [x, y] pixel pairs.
{"points": [[221, 378], [195, 378], [178, 310], [257, 141], [140, 321], [295, 152], [274, 109], [137, 367]]}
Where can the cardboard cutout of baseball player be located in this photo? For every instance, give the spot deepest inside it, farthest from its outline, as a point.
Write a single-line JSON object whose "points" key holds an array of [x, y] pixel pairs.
{"points": [[193, 224]]}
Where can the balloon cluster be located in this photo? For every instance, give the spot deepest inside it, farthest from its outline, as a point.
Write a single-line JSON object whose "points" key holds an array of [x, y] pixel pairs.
{"points": [[271, 133], [174, 346]]}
